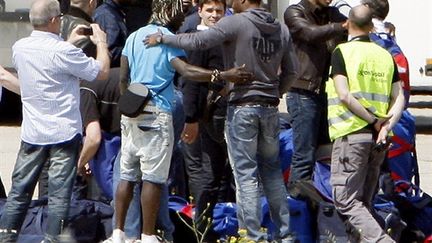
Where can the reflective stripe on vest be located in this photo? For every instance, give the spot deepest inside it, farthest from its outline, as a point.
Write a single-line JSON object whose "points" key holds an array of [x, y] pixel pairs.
{"points": [[370, 72]]}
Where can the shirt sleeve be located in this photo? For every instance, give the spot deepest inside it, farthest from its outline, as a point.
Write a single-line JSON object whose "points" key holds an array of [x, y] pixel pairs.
{"points": [[224, 30], [396, 77], [79, 65], [174, 52], [338, 64], [88, 106]]}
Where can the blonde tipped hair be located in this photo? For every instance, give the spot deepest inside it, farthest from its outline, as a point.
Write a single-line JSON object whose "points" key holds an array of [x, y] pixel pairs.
{"points": [[165, 10]]}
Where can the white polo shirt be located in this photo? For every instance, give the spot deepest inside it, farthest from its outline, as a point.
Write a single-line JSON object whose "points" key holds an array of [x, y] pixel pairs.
{"points": [[49, 70]]}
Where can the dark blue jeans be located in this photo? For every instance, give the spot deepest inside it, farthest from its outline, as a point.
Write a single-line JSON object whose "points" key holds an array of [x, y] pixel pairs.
{"points": [[176, 180], [308, 112], [62, 171]]}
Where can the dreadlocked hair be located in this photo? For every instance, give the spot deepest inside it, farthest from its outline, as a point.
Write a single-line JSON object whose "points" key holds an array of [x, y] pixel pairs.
{"points": [[165, 10]]}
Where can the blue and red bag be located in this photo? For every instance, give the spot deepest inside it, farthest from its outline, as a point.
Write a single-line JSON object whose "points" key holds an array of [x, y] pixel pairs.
{"points": [[285, 152], [225, 221], [321, 180], [402, 158], [388, 42]]}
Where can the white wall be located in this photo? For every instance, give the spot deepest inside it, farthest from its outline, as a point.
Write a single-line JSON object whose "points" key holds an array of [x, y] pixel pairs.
{"points": [[414, 34], [11, 5]]}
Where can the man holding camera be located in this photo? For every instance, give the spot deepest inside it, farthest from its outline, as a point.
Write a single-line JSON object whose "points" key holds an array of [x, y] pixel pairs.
{"points": [[365, 100], [49, 70]]}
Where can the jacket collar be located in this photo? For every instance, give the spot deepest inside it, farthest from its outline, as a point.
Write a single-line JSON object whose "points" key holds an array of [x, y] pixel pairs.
{"points": [[313, 8], [77, 12], [118, 8], [309, 6], [364, 38]]}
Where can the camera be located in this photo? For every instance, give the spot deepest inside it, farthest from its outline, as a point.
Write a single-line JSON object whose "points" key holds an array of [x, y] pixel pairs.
{"points": [[87, 31], [383, 145]]}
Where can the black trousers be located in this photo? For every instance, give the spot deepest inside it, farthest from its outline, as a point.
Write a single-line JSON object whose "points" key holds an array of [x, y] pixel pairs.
{"points": [[208, 169]]}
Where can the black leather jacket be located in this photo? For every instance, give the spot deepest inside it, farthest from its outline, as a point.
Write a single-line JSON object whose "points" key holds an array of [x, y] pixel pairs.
{"points": [[315, 33], [74, 17]]}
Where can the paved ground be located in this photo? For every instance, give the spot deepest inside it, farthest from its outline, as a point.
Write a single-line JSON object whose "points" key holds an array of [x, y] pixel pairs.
{"points": [[10, 139], [421, 108]]}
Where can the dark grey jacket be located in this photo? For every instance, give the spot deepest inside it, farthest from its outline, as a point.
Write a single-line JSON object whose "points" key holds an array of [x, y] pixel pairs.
{"points": [[256, 39]]}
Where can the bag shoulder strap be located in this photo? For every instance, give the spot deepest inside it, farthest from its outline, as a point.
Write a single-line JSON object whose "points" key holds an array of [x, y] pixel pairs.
{"points": [[151, 91]]}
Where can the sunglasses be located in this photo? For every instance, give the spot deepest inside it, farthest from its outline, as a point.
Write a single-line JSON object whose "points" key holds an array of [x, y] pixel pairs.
{"points": [[58, 16]]}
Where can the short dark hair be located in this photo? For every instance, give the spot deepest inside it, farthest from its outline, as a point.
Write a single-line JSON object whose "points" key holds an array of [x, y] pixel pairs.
{"points": [[361, 16], [202, 2], [379, 8]]}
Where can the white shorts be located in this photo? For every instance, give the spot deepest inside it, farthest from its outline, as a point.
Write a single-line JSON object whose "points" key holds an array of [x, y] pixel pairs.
{"points": [[146, 149]]}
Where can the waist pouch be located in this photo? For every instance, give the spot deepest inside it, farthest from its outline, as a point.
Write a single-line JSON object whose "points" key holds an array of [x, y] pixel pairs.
{"points": [[133, 101]]}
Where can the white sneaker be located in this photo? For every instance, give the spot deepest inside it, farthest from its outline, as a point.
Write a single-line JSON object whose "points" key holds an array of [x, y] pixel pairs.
{"points": [[128, 240], [118, 236], [109, 240], [132, 240], [149, 239]]}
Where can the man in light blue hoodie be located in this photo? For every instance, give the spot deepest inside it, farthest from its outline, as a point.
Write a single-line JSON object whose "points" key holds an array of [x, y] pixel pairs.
{"points": [[254, 38]]}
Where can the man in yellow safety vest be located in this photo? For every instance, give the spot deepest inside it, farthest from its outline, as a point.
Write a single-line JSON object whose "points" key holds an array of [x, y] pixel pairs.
{"points": [[365, 101]]}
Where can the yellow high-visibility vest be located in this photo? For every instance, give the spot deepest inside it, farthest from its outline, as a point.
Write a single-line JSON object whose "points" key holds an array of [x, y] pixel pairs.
{"points": [[370, 73]]}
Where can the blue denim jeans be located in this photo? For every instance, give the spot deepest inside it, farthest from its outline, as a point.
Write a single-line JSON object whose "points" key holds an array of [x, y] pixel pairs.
{"points": [[176, 178], [252, 134], [62, 171], [308, 113], [132, 227]]}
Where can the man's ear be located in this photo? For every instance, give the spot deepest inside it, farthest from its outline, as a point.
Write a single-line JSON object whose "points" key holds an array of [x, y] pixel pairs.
{"points": [[52, 20], [92, 4], [199, 11]]}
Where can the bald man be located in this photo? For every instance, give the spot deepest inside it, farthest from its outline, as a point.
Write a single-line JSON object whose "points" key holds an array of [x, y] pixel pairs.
{"points": [[360, 116], [49, 70]]}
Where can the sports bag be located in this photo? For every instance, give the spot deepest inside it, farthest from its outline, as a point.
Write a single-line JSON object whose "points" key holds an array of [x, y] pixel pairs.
{"points": [[102, 164]]}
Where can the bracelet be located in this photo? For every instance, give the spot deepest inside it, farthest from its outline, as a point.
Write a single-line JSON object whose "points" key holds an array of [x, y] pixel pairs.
{"points": [[215, 76]]}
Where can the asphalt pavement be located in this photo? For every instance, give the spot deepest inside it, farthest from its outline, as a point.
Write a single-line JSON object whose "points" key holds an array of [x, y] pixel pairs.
{"points": [[10, 141]]}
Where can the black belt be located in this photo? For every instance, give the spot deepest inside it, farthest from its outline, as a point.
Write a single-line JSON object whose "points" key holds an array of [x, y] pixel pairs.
{"points": [[306, 86], [254, 104]]}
